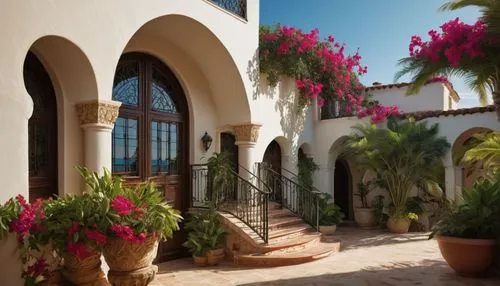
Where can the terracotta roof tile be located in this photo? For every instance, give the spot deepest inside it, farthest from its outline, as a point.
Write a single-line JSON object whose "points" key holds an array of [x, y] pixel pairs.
{"points": [[419, 115]]}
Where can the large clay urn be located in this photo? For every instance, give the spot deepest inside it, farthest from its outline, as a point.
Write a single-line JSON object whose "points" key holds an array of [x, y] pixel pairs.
{"points": [[468, 257]]}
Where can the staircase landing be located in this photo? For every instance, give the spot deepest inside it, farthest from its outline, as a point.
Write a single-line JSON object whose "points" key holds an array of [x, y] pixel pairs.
{"points": [[291, 241]]}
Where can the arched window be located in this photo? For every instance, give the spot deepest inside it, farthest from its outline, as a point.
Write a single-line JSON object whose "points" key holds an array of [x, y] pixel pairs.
{"points": [[147, 136], [42, 130]]}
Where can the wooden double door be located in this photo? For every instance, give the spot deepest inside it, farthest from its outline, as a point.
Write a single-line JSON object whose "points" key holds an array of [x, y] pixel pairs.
{"points": [[150, 138]]}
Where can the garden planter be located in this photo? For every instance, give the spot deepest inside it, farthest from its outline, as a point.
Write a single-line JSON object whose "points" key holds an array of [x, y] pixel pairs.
{"points": [[215, 256], [398, 225], [200, 260], [327, 229], [54, 279], [364, 217], [84, 271], [131, 263], [468, 257]]}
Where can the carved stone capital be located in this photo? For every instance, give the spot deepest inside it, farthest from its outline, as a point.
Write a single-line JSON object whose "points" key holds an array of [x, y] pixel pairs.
{"points": [[247, 132], [98, 112]]}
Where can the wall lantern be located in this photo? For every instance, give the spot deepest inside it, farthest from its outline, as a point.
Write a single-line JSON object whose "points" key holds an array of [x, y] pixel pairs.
{"points": [[207, 141]]}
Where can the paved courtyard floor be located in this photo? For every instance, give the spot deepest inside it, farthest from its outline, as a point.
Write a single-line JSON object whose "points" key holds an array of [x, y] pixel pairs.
{"points": [[367, 257]]}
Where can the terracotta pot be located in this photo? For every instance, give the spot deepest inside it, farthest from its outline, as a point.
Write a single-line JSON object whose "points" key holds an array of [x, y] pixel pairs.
{"points": [[398, 225], [131, 263], [468, 257], [54, 279], [83, 271], [215, 256], [200, 260], [327, 229], [364, 217]]}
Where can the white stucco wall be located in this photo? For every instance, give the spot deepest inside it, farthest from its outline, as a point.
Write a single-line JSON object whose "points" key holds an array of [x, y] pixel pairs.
{"points": [[433, 96]]}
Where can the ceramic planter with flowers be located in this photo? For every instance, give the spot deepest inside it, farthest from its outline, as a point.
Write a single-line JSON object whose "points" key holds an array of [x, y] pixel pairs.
{"points": [[467, 236], [136, 220], [24, 222], [329, 214]]}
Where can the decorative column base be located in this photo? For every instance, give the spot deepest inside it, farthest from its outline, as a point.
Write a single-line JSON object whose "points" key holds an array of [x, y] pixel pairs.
{"points": [[139, 277]]}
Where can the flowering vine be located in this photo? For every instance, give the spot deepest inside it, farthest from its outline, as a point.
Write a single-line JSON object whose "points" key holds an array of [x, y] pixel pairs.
{"points": [[320, 67]]}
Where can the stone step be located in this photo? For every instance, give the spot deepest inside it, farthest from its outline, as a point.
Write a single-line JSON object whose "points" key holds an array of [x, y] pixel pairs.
{"points": [[284, 222], [289, 256], [290, 232]]}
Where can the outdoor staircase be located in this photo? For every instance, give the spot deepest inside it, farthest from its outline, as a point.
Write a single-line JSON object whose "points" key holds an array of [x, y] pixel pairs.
{"points": [[291, 241]]}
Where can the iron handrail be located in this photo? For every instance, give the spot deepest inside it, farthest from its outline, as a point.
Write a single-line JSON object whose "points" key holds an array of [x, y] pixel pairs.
{"points": [[313, 188], [241, 198], [294, 205], [257, 178]]}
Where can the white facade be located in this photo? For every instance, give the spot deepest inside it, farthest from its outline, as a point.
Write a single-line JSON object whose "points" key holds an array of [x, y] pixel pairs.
{"points": [[213, 54]]}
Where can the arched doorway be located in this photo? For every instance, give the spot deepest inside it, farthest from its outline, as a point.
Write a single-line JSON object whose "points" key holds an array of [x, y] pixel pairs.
{"points": [[150, 135], [342, 187], [228, 145], [42, 130], [272, 158]]}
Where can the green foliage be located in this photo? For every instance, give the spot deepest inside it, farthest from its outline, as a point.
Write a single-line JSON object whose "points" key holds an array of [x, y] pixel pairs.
{"points": [[221, 175], [8, 212], [403, 155], [329, 213], [156, 215], [363, 191], [483, 151], [381, 216], [306, 169], [477, 217], [205, 231]]}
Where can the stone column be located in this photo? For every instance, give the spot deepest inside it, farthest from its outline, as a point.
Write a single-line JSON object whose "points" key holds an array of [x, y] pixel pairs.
{"points": [[246, 138], [97, 119], [450, 182]]}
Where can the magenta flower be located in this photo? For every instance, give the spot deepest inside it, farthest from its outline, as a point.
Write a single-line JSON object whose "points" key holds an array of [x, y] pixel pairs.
{"points": [[78, 249], [122, 205], [123, 231], [96, 235]]}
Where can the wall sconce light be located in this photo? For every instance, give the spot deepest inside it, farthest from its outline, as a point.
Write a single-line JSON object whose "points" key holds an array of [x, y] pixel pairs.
{"points": [[207, 141]]}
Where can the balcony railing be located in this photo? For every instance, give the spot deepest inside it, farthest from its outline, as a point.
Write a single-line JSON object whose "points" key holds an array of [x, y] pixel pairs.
{"points": [[334, 109], [237, 7]]}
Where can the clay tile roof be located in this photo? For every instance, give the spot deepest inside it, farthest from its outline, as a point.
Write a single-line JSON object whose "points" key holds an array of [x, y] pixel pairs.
{"points": [[419, 115], [379, 86]]}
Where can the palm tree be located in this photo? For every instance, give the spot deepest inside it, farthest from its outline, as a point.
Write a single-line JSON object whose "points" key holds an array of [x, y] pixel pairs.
{"points": [[404, 155], [485, 151], [481, 74]]}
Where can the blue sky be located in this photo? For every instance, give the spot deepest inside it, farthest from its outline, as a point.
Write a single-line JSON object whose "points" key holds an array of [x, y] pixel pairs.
{"points": [[381, 29]]}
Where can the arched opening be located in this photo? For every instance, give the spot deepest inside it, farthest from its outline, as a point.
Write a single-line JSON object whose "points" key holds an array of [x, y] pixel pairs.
{"points": [[42, 130], [150, 136], [467, 175], [228, 145], [272, 156], [342, 189]]}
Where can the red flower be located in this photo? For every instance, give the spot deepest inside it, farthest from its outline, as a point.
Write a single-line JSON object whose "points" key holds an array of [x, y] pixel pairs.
{"points": [[38, 268], [75, 227], [122, 205], [123, 231], [78, 249], [96, 235]]}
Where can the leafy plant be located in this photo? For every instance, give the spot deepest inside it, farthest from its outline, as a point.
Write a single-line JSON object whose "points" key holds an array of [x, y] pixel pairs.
{"points": [[329, 213], [205, 231], [130, 213], [363, 191], [403, 155], [381, 215], [221, 176], [306, 169], [483, 151], [477, 217]]}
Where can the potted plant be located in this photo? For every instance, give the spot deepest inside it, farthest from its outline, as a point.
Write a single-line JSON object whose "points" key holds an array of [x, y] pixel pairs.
{"points": [[329, 215], [72, 226], [404, 155], [136, 220], [467, 234], [206, 236], [364, 215]]}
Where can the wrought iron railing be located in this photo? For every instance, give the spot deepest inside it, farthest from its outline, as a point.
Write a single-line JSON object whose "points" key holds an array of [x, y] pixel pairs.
{"points": [[237, 196], [237, 7], [300, 200], [335, 109]]}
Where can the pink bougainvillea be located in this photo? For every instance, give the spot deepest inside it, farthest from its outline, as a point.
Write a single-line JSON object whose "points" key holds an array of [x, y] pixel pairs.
{"points": [[78, 249], [122, 205], [455, 42], [321, 68], [29, 218], [95, 235]]}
